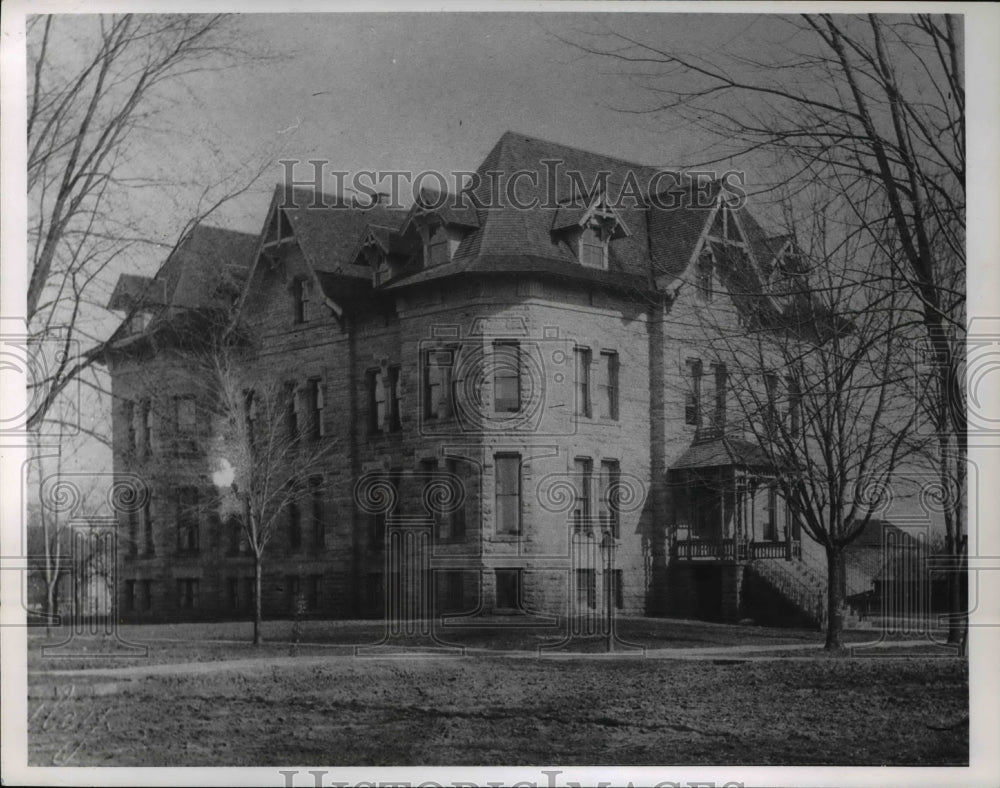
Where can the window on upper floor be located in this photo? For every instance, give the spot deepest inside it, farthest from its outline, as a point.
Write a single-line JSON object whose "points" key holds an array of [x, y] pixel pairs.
{"points": [[508, 493], [593, 247], [583, 471], [720, 378], [300, 300], [293, 422], [607, 386], [146, 434], [395, 395], [188, 515], [439, 364], [317, 404], [692, 393], [437, 247], [128, 417], [318, 514], [506, 377], [376, 401], [704, 274], [794, 406], [582, 359], [609, 496]]}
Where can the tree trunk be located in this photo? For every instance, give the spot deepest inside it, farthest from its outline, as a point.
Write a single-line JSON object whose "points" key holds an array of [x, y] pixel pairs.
{"points": [[834, 597], [258, 637], [50, 604]]}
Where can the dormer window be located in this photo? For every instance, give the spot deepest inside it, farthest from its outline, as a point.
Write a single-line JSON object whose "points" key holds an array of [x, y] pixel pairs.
{"points": [[588, 229], [300, 296], [437, 246], [138, 322], [704, 274], [593, 247]]}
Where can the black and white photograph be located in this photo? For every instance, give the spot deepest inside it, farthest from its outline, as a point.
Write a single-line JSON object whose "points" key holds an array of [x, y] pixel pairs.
{"points": [[544, 394]]}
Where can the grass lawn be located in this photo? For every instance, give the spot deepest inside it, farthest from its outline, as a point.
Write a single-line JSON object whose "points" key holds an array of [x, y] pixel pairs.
{"points": [[322, 707]]}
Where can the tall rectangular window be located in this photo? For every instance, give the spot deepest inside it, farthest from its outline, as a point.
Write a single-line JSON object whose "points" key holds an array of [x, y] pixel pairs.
{"points": [[394, 399], [317, 428], [294, 526], [583, 469], [250, 416], [437, 383], [506, 377], [187, 519], [293, 587], [318, 522], [128, 417], [721, 379], [508, 493], [130, 595], [313, 591], [692, 395], [185, 424], [300, 300], [771, 514], [290, 401], [147, 428], [185, 416], [771, 384], [233, 593], [794, 407], [437, 250], [147, 525], [704, 275], [618, 588], [508, 585], [608, 385], [376, 401], [582, 358], [610, 491], [456, 515], [146, 587], [132, 520], [586, 588], [592, 248], [187, 593]]}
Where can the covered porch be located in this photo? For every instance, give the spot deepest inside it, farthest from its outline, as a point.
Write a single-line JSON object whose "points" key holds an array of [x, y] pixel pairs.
{"points": [[727, 507]]}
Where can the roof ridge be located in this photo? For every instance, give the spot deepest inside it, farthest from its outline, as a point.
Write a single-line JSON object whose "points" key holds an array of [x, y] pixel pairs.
{"points": [[588, 151]]}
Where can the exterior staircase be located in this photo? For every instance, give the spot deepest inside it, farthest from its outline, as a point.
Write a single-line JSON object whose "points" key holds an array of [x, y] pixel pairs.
{"points": [[795, 585]]}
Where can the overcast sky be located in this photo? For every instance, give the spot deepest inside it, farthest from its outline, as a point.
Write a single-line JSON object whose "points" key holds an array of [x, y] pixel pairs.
{"points": [[435, 91]]}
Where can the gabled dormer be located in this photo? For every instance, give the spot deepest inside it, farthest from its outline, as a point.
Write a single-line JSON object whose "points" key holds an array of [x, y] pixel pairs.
{"points": [[382, 250], [140, 298], [441, 221], [588, 227]]}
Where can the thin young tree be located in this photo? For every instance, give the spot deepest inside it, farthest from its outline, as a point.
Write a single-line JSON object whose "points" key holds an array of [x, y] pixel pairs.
{"points": [[266, 453], [874, 107]]}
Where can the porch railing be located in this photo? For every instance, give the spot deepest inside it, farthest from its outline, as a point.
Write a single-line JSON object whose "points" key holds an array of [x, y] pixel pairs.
{"points": [[733, 550]]}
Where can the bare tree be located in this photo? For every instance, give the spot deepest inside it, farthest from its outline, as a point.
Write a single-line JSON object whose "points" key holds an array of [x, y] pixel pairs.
{"points": [[266, 452], [874, 107], [816, 357], [95, 86]]}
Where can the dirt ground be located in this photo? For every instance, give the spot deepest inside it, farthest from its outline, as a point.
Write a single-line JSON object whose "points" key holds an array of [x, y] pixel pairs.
{"points": [[504, 710]]}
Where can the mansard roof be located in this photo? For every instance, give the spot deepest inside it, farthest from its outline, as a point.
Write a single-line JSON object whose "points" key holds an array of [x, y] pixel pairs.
{"points": [[199, 272]]}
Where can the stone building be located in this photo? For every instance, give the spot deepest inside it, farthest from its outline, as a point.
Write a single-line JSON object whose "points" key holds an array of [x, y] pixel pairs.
{"points": [[534, 353]]}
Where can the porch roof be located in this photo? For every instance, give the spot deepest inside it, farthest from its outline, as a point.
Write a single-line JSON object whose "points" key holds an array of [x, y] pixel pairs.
{"points": [[722, 452]]}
